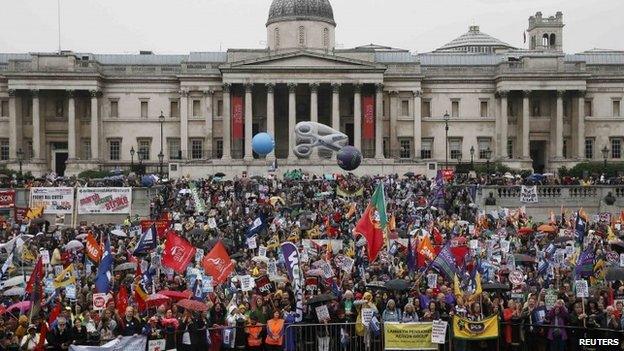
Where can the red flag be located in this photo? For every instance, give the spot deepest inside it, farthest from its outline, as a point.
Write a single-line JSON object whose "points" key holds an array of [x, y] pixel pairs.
{"points": [[437, 237], [36, 277], [237, 117], [368, 110], [93, 248], [44, 326], [370, 229], [121, 303], [178, 253], [218, 263]]}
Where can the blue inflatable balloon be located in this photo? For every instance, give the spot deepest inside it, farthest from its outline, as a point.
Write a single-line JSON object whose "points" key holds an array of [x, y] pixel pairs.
{"points": [[262, 144]]}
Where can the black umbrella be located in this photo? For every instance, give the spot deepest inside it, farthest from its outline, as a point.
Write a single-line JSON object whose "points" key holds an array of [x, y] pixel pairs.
{"points": [[321, 299], [237, 255], [376, 286], [495, 286], [398, 285], [409, 174], [219, 174], [614, 273], [617, 246], [196, 232], [39, 220]]}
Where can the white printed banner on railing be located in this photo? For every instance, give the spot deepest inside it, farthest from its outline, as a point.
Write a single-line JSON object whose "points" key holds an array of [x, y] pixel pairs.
{"points": [[104, 200], [528, 194], [53, 200]]}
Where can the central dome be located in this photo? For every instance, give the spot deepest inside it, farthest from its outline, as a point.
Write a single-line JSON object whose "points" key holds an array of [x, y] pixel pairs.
{"points": [[289, 10]]}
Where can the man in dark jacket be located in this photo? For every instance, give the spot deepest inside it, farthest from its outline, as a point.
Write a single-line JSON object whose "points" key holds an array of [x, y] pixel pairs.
{"points": [[130, 325], [59, 338]]}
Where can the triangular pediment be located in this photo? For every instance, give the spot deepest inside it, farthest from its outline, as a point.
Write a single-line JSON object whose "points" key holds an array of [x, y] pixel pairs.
{"points": [[303, 60]]}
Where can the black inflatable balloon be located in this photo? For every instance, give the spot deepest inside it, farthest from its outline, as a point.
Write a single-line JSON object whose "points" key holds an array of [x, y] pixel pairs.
{"points": [[349, 158]]}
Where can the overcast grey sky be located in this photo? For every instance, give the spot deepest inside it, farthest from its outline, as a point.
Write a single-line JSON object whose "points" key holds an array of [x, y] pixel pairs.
{"points": [[181, 26]]}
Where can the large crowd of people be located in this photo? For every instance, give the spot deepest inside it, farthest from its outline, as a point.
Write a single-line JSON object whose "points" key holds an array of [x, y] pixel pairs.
{"points": [[505, 263]]}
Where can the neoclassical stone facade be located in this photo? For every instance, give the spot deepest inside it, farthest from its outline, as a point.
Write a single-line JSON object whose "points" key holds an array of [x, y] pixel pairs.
{"points": [[529, 108]]}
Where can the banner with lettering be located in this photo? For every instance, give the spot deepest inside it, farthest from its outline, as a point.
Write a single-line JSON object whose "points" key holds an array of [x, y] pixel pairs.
{"points": [[135, 342], [237, 117], [53, 200], [368, 112], [7, 198], [408, 336], [475, 330], [528, 194], [161, 226], [104, 200]]}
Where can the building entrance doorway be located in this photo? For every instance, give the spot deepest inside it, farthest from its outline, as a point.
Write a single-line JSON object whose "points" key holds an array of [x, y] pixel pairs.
{"points": [[538, 155], [59, 158]]}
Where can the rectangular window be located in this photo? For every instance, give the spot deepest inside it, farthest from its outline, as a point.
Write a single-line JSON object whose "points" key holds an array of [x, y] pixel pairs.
{"points": [[4, 108], [455, 147], [616, 148], [28, 152], [510, 148], [220, 108], [589, 148], [588, 108], [144, 109], [485, 148], [426, 151], [386, 147], [114, 149], [425, 109], [455, 109], [4, 149], [174, 108], [566, 143], [406, 148], [197, 149], [484, 109], [114, 108], [616, 108], [405, 108], [144, 149], [218, 148], [173, 147], [86, 149], [196, 108]]}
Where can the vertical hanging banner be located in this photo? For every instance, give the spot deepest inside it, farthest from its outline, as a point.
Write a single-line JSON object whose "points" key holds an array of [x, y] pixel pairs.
{"points": [[237, 117], [528, 194], [104, 200], [291, 261], [368, 112], [53, 200]]}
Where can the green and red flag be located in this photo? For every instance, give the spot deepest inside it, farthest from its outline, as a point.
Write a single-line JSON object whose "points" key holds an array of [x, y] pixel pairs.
{"points": [[373, 223]]}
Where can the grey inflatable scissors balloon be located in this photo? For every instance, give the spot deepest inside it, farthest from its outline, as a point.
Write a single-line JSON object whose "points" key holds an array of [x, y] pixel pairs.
{"points": [[311, 135]]}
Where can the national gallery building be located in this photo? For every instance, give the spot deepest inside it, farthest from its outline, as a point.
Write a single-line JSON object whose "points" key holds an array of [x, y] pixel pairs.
{"points": [[535, 107]]}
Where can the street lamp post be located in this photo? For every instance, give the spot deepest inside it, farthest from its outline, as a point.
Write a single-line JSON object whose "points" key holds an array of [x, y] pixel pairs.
{"points": [[140, 156], [160, 164], [132, 159], [446, 129], [472, 151], [605, 156], [20, 158], [488, 154], [161, 119]]}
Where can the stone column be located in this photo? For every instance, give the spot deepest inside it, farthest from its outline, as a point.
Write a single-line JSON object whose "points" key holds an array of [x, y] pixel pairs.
{"points": [[227, 124], [394, 115], [292, 119], [314, 112], [14, 141], [71, 126], [504, 120], [184, 124], [95, 126], [248, 121], [559, 125], [36, 125], [417, 124], [336, 106], [526, 128], [580, 128], [357, 116], [379, 122], [208, 95], [270, 105]]}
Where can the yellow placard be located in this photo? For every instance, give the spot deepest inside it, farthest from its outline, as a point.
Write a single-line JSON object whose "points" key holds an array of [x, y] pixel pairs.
{"points": [[475, 330], [408, 336]]}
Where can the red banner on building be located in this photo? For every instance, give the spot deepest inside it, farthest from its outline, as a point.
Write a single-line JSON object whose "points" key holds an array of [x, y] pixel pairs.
{"points": [[161, 226], [7, 198], [237, 117], [368, 112]]}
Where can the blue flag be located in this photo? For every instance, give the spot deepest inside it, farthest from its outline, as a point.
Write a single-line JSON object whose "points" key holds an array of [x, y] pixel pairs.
{"points": [[445, 263], [256, 227], [411, 258], [580, 226], [147, 241], [103, 277], [585, 264]]}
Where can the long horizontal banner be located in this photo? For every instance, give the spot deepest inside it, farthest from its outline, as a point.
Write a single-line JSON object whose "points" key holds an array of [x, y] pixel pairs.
{"points": [[53, 200], [104, 200], [136, 342], [408, 336]]}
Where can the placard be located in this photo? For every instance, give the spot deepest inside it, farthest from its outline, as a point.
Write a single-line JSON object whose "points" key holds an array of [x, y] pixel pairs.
{"points": [[70, 291], [504, 245], [272, 268], [199, 255], [327, 269], [408, 336], [438, 331], [104, 200], [582, 289], [367, 315], [432, 280], [251, 242], [207, 285], [550, 299], [622, 259], [45, 256], [516, 277], [246, 282], [156, 345], [528, 194], [7, 198], [262, 251], [99, 301], [322, 313], [58, 200]]}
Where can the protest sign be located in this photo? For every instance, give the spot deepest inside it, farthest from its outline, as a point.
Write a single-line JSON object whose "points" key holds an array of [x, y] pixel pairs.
{"points": [[246, 282], [432, 280], [45, 256], [207, 285], [550, 299], [70, 292], [322, 313], [582, 289], [438, 331], [475, 330], [161, 226], [136, 342], [367, 315], [264, 285], [156, 345], [251, 242], [528, 194], [99, 301], [262, 251], [58, 200], [408, 336], [104, 200], [7, 198]]}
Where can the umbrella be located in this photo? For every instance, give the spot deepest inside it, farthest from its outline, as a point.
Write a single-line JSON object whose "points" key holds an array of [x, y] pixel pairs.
{"points": [[220, 174], [184, 191], [523, 258], [376, 285], [16, 291], [176, 295], [315, 273], [508, 175], [22, 306], [321, 299], [525, 230], [39, 220], [74, 245], [196, 232], [193, 305], [546, 228], [614, 273], [260, 259], [81, 236], [535, 177], [17, 280], [409, 174], [119, 232], [398, 285], [278, 279], [126, 266], [156, 300], [494, 286]]}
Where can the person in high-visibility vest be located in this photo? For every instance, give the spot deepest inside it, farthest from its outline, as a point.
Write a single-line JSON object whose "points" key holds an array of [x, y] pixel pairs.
{"points": [[275, 332], [254, 333]]}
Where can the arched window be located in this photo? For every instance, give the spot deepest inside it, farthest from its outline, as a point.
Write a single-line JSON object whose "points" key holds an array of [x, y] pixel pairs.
{"points": [[532, 43], [326, 38], [545, 40], [553, 40], [301, 35]]}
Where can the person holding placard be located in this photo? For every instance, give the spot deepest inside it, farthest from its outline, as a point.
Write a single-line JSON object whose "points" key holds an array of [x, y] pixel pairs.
{"points": [[557, 316]]}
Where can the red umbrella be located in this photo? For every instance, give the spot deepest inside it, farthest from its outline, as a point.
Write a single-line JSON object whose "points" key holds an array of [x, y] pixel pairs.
{"points": [[155, 300], [177, 295], [525, 230], [193, 305], [22, 306]]}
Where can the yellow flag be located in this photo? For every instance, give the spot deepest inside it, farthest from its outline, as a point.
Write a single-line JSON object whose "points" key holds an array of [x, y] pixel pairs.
{"points": [[456, 288], [65, 278], [34, 213], [610, 234], [27, 255], [478, 289], [475, 330]]}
